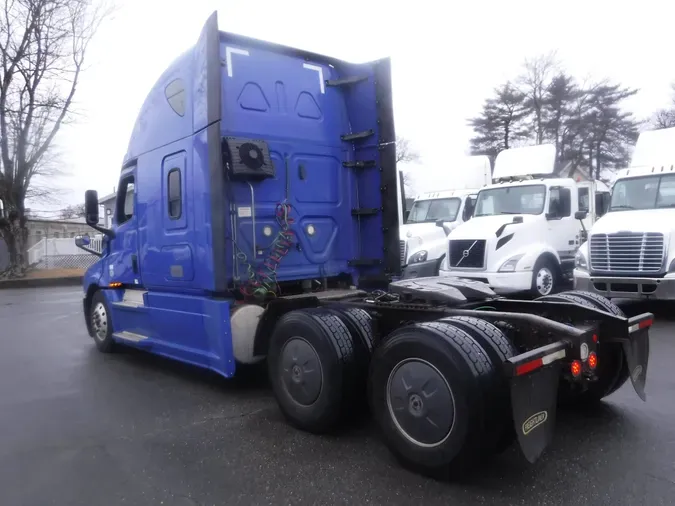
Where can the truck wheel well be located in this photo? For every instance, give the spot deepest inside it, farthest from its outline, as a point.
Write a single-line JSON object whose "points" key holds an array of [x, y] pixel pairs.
{"points": [[275, 310], [549, 257], [87, 306]]}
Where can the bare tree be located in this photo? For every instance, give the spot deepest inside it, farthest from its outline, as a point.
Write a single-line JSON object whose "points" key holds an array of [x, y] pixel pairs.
{"points": [[42, 51], [665, 118], [70, 212], [405, 153], [534, 84]]}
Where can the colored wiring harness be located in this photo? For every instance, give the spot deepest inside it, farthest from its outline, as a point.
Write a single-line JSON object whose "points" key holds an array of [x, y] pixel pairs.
{"points": [[262, 283]]}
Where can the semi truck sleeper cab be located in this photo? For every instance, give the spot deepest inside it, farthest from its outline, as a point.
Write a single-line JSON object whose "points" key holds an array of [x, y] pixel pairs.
{"points": [[257, 217]]}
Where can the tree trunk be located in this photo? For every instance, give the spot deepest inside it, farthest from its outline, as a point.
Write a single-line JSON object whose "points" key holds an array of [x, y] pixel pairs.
{"points": [[15, 234]]}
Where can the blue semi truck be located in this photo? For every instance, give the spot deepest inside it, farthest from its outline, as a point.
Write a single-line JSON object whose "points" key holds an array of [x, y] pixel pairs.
{"points": [[257, 219]]}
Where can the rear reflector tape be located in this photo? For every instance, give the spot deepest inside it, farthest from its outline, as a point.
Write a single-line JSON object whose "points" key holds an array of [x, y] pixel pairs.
{"points": [[640, 325], [553, 357], [539, 362]]}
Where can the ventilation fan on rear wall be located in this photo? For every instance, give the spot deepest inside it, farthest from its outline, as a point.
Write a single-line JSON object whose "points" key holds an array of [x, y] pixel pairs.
{"points": [[248, 158], [251, 156]]}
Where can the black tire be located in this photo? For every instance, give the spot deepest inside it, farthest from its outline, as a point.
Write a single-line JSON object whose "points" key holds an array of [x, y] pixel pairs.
{"points": [[598, 300], [454, 369], [311, 365], [361, 327], [498, 348], [539, 286], [567, 297], [612, 369], [612, 366], [100, 322]]}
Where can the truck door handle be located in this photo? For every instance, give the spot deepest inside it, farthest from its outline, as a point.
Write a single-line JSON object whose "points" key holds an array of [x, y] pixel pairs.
{"points": [[134, 263]]}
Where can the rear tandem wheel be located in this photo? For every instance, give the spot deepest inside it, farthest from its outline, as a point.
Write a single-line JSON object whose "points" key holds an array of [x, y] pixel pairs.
{"points": [[499, 349], [312, 368], [430, 388]]}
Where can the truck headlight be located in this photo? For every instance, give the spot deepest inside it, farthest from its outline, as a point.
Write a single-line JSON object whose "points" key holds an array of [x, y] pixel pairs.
{"points": [[420, 256], [580, 261], [510, 264]]}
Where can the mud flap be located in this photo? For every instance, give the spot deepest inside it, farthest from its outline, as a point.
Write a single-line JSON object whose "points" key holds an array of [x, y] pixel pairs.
{"points": [[534, 399], [636, 350]]}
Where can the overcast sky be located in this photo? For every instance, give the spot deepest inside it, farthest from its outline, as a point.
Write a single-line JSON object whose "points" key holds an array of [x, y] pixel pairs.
{"points": [[445, 62]]}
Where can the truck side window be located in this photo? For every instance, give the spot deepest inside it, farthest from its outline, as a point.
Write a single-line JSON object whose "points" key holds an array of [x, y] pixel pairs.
{"points": [[125, 200], [560, 203], [174, 194], [583, 199]]}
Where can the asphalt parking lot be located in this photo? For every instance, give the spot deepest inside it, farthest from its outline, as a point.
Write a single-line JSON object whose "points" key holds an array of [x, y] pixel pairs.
{"points": [[81, 428]]}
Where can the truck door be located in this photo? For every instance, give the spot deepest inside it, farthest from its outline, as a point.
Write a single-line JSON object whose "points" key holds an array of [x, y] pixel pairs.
{"points": [[563, 228], [123, 263]]}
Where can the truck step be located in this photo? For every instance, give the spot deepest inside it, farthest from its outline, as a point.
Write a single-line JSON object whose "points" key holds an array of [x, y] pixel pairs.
{"points": [[358, 135], [365, 211], [346, 81], [132, 299], [128, 304], [365, 164], [129, 336], [364, 262]]}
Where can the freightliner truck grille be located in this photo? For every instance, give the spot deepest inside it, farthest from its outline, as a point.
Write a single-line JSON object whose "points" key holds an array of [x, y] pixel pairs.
{"points": [[627, 252]]}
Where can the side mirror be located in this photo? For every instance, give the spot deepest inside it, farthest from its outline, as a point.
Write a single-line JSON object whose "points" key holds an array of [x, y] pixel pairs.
{"points": [[82, 240], [91, 207], [580, 215], [469, 208], [440, 223], [602, 201], [517, 219]]}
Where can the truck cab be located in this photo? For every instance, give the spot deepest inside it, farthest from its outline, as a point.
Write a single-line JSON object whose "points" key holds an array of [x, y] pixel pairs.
{"points": [[434, 215], [253, 170], [526, 227], [257, 217], [630, 252]]}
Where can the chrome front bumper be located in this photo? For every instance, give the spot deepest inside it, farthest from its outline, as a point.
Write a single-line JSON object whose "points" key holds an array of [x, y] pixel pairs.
{"points": [[626, 288]]}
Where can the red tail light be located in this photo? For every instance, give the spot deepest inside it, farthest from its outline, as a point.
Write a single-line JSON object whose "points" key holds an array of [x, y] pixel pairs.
{"points": [[575, 368], [592, 360]]}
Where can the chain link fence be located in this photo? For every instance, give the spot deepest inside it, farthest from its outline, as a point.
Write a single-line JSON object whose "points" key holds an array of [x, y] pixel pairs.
{"points": [[61, 253]]}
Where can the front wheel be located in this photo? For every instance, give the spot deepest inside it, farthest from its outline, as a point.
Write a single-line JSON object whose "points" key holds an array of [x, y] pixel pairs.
{"points": [[100, 322], [545, 277]]}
